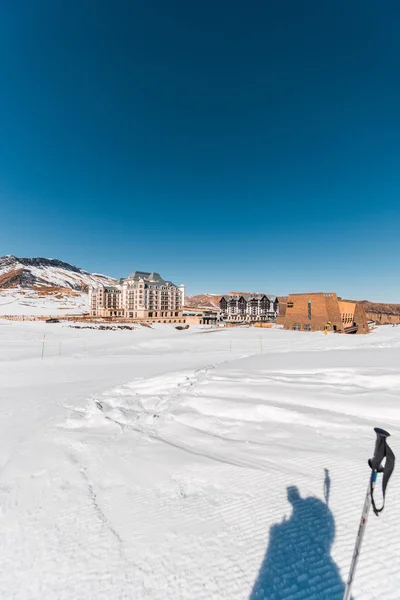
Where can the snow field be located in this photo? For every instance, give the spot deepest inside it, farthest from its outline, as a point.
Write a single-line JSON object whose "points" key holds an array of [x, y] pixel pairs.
{"points": [[18, 303], [164, 464]]}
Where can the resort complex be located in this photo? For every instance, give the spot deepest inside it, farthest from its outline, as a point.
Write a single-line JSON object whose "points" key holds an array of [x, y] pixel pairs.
{"points": [[145, 296]]}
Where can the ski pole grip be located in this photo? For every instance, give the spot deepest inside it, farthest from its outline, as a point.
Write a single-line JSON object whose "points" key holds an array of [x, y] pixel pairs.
{"points": [[380, 449]]}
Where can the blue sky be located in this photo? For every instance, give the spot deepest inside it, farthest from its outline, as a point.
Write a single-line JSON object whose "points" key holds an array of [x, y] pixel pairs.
{"points": [[227, 145]]}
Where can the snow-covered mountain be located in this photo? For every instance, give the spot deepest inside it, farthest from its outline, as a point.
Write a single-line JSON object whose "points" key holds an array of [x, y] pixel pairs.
{"points": [[42, 273]]}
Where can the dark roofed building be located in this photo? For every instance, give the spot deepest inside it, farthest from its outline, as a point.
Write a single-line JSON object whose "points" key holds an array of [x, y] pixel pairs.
{"points": [[142, 295], [145, 275], [249, 307]]}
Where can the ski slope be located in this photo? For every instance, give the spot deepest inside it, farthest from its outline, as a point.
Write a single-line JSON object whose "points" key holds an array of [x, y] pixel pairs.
{"points": [[196, 464]]}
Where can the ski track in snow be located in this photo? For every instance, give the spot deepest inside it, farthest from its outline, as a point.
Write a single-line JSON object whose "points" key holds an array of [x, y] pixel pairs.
{"points": [[218, 477]]}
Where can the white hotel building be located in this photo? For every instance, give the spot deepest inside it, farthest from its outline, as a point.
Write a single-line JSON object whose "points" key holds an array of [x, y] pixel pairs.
{"points": [[142, 295]]}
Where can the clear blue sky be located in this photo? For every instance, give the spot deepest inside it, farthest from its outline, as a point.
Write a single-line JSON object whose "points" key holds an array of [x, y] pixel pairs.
{"points": [[229, 145]]}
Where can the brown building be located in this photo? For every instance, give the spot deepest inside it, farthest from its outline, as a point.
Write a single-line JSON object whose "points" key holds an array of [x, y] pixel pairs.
{"points": [[383, 318], [319, 311]]}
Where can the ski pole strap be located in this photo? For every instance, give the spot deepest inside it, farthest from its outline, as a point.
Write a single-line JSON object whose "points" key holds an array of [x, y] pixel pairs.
{"points": [[382, 450]]}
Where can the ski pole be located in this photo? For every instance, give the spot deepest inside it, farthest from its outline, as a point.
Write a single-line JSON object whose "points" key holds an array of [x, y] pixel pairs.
{"points": [[382, 450]]}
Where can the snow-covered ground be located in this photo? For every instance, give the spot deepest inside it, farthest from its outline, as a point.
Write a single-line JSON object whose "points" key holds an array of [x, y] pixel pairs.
{"points": [[28, 302], [167, 464]]}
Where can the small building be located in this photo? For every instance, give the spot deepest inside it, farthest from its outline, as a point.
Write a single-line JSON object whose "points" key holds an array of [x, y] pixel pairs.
{"points": [[320, 311], [249, 308], [201, 316]]}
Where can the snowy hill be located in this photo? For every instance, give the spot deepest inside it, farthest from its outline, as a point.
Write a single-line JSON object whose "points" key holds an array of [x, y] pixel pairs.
{"points": [[38, 273], [44, 286]]}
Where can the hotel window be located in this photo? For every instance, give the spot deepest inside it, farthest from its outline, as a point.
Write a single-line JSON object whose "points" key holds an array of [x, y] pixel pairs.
{"points": [[309, 310]]}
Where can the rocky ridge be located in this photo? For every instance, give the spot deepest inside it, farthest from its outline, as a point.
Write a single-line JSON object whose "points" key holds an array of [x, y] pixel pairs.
{"points": [[46, 275]]}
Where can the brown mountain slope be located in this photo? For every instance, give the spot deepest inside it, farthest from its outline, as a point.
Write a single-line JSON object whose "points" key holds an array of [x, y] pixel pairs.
{"points": [[381, 308], [46, 274], [11, 278], [203, 301]]}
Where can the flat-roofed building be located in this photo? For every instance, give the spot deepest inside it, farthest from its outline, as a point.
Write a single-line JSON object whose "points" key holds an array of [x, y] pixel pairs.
{"points": [[324, 310], [201, 316]]}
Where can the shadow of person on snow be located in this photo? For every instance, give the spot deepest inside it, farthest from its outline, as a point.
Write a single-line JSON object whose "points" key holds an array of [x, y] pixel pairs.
{"points": [[298, 564]]}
